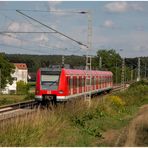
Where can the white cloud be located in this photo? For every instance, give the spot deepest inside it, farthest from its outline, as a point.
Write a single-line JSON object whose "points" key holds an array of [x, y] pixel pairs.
{"points": [[137, 7], [109, 24], [42, 37], [116, 6], [52, 5], [11, 40], [123, 6], [15, 26]]}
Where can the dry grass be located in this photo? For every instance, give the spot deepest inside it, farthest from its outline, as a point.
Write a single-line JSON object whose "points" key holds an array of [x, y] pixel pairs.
{"points": [[9, 99], [71, 124]]}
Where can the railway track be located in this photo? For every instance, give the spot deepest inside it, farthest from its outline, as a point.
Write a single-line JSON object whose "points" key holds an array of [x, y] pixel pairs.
{"points": [[17, 109]]}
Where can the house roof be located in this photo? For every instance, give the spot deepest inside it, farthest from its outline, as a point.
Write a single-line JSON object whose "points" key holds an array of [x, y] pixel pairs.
{"points": [[21, 66]]}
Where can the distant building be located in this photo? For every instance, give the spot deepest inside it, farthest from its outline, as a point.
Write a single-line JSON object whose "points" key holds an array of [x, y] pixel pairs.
{"points": [[20, 74]]}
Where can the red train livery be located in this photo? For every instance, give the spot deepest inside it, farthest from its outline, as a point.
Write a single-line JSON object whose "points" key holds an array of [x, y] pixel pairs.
{"points": [[64, 84]]}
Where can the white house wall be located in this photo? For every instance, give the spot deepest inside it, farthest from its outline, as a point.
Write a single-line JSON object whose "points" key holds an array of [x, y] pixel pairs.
{"points": [[18, 75]]}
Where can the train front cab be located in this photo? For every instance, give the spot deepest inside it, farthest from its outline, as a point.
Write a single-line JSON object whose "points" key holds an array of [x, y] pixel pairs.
{"points": [[47, 82]]}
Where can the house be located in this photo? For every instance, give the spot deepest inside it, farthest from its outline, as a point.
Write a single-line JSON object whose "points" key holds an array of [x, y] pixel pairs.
{"points": [[20, 74]]}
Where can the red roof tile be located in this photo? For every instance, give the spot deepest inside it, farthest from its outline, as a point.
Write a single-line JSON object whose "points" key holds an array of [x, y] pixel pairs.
{"points": [[21, 65]]}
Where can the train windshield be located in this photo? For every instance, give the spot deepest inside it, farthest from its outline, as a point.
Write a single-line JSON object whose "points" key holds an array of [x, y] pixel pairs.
{"points": [[49, 80]]}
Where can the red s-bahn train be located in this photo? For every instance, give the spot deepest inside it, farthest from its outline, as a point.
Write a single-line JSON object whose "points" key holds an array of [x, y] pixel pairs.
{"points": [[64, 84]]}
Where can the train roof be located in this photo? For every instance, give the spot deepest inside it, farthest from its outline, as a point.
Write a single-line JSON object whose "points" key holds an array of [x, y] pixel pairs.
{"points": [[76, 71], [83, 72]]}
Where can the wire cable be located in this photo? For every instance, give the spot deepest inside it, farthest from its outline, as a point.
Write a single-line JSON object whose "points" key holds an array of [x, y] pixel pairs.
{"points": [[80, 43]]}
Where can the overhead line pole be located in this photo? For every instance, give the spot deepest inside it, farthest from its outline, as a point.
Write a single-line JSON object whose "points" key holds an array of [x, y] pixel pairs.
{"points": [[51, 28], [123, 73], [88, 80], [138, 78], [0, 81]]}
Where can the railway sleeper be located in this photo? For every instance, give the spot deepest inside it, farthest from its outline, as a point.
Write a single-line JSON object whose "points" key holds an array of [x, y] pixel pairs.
{"points": [[49, 100]]}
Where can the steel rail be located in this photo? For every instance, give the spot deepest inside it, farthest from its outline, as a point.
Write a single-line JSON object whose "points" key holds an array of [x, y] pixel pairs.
{"points": [[15, 106]]}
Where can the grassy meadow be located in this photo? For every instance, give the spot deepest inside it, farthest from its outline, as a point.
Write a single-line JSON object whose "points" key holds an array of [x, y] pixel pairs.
{"points": [[6, 99], [76, 124]]}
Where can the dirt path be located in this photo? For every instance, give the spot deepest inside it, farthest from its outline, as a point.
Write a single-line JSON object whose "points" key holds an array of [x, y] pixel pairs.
{"points": [[133, 135], [137, 133]]}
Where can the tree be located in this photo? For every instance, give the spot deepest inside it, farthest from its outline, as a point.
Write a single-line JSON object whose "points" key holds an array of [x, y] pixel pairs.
{"points": [[111, 61], [6, 69], [109, 58], [22, 88]]}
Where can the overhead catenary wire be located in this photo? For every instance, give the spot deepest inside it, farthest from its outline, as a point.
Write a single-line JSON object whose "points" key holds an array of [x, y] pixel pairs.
{"points": [[24, 40], [58, 11], [8, 33], [80, 43], [4, 32], [28, 49]]}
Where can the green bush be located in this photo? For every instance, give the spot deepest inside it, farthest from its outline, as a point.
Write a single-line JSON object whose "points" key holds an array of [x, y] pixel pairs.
{"points": [[22, 88], [30, 96]]}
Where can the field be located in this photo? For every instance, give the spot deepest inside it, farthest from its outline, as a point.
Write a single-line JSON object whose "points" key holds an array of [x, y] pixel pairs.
{"points": [[14, 98], [105, 123]]}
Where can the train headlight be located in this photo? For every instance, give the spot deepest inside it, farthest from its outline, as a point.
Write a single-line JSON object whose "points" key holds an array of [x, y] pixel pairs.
{"points": [[37, 91], [61, 92]]}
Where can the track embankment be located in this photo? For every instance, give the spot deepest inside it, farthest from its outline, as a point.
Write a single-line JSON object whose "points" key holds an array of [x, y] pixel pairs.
{"points": [[137, 133]]}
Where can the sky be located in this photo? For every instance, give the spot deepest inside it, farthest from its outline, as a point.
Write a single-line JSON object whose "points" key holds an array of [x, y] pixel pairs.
{"points": [[119, 25]]}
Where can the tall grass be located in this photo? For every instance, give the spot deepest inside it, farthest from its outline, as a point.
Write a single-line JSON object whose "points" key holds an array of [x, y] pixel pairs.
{"points": [[74, 123]]}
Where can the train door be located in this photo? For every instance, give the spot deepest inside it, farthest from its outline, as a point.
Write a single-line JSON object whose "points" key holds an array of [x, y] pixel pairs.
{"points": [[101, 82], [83, 84], [103, 78], [105, 81], [74, 85], [71, 85], [80, 84], [68, 85], [111, 80], [93, 84], [77, 84], [96, 82]]}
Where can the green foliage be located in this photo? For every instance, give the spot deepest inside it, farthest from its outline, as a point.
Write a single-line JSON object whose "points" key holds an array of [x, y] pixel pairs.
{"points": [[116, 101], [109, 58], [6, 69], [22, 87], [30, 96], [110, 61], [136, 94], [9, 99], [134, 85], [36, 61], [74, 124]]}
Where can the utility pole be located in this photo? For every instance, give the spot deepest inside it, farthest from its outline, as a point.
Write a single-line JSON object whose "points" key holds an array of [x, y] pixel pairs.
{"points": [[116, 72], [63, 61], [138, 78], [131, 73], [100, 62], [123, 73], [145, 71], [0, 81], [88, 80]]}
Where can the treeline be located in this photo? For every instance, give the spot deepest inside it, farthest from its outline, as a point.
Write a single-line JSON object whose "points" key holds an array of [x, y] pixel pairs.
{"points": [[36, 61], [110, 61]]}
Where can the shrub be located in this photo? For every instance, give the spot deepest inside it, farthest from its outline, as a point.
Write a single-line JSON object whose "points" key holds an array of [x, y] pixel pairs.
{"points": [[116, 100], [22, 88], [30, 96]]}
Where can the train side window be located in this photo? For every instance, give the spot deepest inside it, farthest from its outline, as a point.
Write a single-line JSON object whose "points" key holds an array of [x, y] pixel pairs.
{"points": [[80, 81], [83, 81], [76, 82], [71, 82]]}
